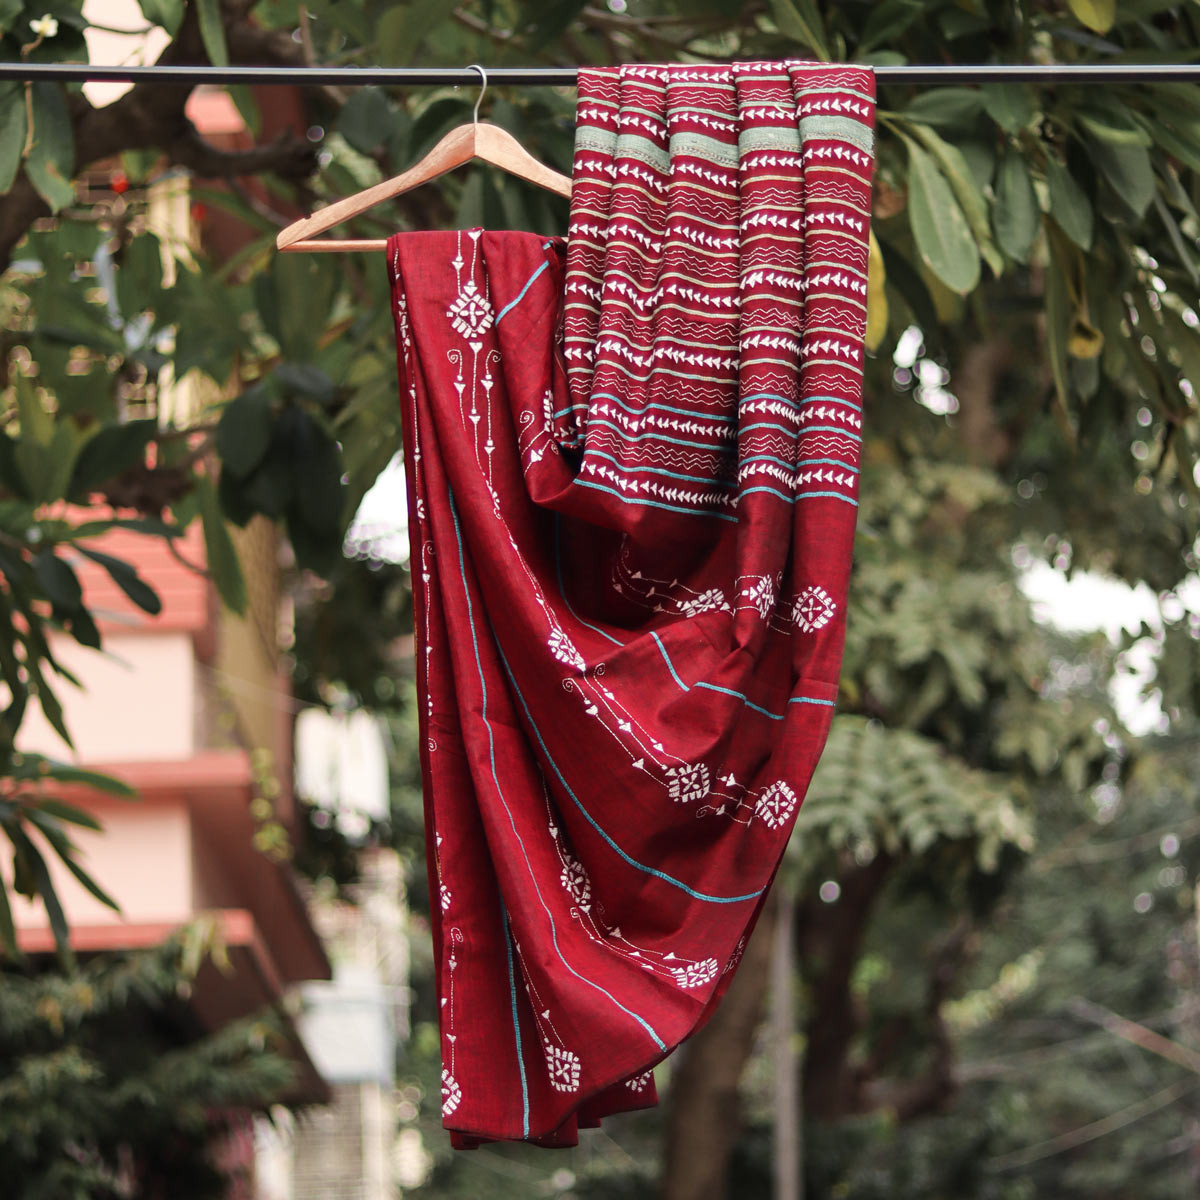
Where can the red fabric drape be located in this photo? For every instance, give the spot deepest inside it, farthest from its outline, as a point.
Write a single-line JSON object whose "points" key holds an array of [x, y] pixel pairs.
{"points": [[632, 464]]}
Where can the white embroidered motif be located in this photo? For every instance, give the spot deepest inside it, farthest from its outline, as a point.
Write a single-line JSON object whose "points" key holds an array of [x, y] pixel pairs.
{"points": [[696, 974], [761, 593], [689, 782], [563, 1067], [470, 314], [446, 897], [575, 879], [707, 601], [451, 1093], [776, 804], [638, 1082], [814, 609], [564, 650]]}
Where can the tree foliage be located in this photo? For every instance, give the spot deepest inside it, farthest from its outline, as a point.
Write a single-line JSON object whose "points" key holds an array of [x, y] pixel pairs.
{"points": [[109, 1091], [1032, 397]]}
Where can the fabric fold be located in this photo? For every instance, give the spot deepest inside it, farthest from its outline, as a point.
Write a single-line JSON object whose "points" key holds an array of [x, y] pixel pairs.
{"points": [[633, 466]]}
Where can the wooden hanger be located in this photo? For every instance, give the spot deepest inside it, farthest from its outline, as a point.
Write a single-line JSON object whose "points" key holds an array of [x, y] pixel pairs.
{"points": [[479, 140]]}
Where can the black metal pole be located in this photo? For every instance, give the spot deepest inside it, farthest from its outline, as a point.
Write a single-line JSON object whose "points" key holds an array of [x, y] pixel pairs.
{"points": [[925, 75]]}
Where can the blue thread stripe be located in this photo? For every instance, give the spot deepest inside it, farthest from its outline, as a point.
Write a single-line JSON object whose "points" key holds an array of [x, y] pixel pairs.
{"points": [[828, 462], [562, 412], [716, 483], [789, 429], [667, 659], [801, 495], [712, 687], [633, 862], [766, 712], [562, 591], [512, 991], [695, 512], [500, 792], [686, 412], [830, 429], [521, 294], [658, 437], [831, 400]]}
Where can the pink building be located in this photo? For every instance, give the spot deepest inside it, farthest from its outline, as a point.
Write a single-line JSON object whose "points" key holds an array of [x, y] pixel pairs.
{"points": [[192, 709]]}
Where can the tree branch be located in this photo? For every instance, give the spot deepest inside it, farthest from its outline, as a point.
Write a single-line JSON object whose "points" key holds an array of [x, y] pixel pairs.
{"points": [[151, 116]]}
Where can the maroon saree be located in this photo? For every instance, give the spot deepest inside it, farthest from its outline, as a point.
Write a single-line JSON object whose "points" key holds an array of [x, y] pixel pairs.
{"points": [[632, 468]]}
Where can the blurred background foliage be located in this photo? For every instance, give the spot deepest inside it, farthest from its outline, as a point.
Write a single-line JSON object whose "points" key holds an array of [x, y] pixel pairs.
{"points": [[992, 872]]}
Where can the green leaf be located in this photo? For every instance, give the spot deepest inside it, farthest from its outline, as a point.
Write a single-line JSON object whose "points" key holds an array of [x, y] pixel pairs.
{"points": [[1130, 171], [303, 287], [51, 161], [886, 22], [8, 932], [366, 118], [67, 851], [306, 379], [801, 21], [946, 107], [37, 879], [1097, 15], [403, 28], [139, 276], [62, 772], [125, 576], [37, 423], [244, 432], [1058, 323], [58, 580], [1069, 204], [1010, 105], [212, 32], [941, 230], [967, 190], [62, 811], [222, 556], [316, 477], [109, 453], [167, 13], [1112, 124], [1017, 216], [12, 133]]}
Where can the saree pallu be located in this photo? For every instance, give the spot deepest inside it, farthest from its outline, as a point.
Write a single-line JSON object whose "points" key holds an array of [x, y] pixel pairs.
{"points": [[632, 466]]}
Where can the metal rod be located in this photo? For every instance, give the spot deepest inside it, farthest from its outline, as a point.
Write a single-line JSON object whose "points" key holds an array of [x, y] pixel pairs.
{"points": [[1068, 73]]}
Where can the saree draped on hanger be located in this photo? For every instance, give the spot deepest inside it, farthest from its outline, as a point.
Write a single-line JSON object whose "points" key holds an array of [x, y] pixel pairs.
{"points": [[632, 466]]}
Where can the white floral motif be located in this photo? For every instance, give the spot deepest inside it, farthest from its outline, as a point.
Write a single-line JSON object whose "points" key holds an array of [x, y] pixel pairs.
{"points": [[705, 602], [776, 804], [696, 974], [564, 650], [575, 879], [638, 1082], [689, 782], [471, 314], [563, 1067], [761, 593], [446, 897], [451, 1093], [814, 608]]}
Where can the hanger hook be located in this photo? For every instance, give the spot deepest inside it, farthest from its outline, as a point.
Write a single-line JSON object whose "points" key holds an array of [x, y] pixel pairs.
{"points": [[483, 82]]}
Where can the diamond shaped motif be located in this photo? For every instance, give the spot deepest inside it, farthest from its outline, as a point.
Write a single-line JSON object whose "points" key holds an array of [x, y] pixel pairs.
{"points": [[814, 608], [471, 314], [776, 804], [563, 1067], [689, 782], [451, 1093]]}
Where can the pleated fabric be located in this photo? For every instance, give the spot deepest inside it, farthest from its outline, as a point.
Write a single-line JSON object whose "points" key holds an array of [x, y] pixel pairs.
{"points": [[633, 468]]}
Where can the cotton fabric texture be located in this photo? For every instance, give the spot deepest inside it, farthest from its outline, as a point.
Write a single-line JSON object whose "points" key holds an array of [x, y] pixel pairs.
{"points": [[632, 467]]}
